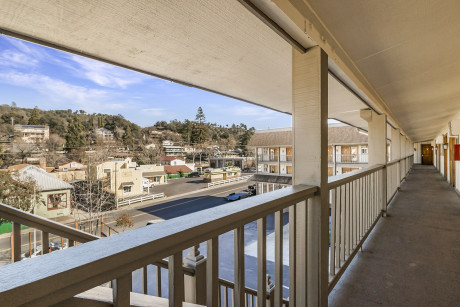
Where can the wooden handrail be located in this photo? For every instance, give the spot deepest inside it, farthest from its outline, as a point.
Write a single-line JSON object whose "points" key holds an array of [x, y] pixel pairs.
{"points": [[43, 224], [57, 276]]}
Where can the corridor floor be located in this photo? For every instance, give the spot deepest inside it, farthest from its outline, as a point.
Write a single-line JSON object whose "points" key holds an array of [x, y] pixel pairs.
{"points": [[412, 258]]}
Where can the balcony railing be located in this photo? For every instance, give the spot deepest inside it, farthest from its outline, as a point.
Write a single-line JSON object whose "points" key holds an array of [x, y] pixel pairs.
{"points": [[267, 158], [348, 158], [76, 274]]}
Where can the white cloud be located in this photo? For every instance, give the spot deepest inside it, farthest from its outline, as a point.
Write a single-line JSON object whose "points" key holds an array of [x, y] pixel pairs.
{"points": [[53, 88], [104, 74], [258, 113], [16, 59], [154, 111]]}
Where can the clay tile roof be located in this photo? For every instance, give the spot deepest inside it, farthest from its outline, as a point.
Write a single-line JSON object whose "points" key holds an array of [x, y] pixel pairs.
{"points": [[174, 169]]}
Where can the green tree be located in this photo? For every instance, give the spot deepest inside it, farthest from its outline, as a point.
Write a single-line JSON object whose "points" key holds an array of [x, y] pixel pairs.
{"points": [[35, 117], [76, 136], [128, 139], [17, 194], [200, 129]]}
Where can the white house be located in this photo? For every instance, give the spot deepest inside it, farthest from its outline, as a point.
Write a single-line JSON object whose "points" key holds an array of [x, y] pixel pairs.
{"points": [[55, 198]]}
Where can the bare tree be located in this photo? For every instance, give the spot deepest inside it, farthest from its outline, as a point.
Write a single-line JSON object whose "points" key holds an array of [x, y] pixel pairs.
{"points": [[91, 199]]}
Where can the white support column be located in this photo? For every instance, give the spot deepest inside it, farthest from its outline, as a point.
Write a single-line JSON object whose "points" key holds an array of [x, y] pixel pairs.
{"points": [[377, 147], [403, 146], [395, 144], [396, 152], [309, 122]]}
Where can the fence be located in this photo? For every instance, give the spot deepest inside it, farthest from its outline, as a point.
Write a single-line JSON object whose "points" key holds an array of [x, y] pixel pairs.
{"points": [[356, 202], [140, 199], [211, 184]]}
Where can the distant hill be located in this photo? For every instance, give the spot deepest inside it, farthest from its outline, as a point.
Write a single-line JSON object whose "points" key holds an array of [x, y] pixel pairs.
{"points": [[187, 132]]}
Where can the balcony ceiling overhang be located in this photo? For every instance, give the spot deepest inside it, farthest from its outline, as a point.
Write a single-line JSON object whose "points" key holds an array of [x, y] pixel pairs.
{"points": [[217, 45], [399, 57]]}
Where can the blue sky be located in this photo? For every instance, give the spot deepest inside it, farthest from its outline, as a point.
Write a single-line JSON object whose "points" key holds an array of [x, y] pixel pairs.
{"points": [[33, 75]]}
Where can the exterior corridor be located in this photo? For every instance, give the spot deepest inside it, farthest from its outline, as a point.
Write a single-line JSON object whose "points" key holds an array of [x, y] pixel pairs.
{"points": [[412, 258]]}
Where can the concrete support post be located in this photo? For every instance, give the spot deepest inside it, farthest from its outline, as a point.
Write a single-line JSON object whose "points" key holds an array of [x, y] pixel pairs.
{"points": [[309, 122], [195, 286], [396, 150], [377, 147]]}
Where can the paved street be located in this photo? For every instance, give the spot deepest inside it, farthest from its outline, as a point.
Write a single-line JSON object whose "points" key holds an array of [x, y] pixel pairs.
{"points": [[173, 207]]}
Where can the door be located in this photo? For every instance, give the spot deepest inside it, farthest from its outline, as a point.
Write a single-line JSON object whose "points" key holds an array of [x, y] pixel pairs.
{"points": [[438, 156], [427, 154]]}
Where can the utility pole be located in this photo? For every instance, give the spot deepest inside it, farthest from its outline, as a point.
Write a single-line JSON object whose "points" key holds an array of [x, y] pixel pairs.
{"points": [[116, 190]]}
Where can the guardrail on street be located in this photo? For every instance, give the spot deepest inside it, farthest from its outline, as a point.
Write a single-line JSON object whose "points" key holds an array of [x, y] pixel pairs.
{"points": [[140, 199], [211, 184]]}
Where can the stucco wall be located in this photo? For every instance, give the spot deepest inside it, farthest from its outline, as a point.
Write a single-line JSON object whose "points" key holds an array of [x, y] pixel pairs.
{"points": [[42, 209]]}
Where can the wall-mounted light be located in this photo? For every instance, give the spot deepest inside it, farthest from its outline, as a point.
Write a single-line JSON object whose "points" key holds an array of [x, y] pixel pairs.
{"points": [[444, 146]]}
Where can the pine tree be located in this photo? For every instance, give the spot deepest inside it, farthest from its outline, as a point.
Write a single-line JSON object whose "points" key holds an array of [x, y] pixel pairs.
{"points": [[128, 137], [75, 137], [35, 117], [200, 133]]}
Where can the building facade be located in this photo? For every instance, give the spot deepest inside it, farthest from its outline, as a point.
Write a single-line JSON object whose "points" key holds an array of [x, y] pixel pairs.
{"points": [[32, 133]]}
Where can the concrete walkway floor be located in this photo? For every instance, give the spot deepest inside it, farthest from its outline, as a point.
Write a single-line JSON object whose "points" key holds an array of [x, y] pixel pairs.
{"points": [[412, 258]]}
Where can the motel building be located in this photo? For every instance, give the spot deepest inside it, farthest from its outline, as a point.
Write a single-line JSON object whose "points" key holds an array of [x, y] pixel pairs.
{"points": [[386, 234]]}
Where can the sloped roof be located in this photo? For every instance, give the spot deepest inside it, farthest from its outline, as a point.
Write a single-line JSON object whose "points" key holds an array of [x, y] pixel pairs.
{"points": [[43, 180], [15, 168], [336, 135], [174, 169], [171, 158]]}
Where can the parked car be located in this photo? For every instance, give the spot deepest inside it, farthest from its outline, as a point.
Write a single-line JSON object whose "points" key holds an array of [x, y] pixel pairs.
{"points": [[147, 184], [236, 196], [151, 222], [193, 174]]}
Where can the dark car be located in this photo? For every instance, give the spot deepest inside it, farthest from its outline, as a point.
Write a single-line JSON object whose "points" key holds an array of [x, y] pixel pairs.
{"points": [[236, 196], [193, 174]]}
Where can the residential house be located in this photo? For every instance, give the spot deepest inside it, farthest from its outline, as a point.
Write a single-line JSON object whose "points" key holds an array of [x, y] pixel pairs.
{"points": [[170, 149], [32, 133], [70, 171], [55, 194], [126, 178], [104, 134], [217, 174], [174, 171], [220, 162], [173, 161]]}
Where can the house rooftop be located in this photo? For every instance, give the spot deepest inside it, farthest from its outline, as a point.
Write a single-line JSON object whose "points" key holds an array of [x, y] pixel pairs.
{"points": [[43, 180], [337, 135]]}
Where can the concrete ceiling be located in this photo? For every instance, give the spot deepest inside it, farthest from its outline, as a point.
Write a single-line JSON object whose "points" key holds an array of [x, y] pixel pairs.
{"points": [[407, 50], [217, 45]]}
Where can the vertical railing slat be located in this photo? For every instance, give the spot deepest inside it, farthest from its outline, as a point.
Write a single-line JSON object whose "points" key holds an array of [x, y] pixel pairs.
{"points": [[212, 272], [176, 280], [333, 230], [121, 289], [292, 254], [144, 280], [261, 261], [16, 235], [158, 280], [238, 293], [278, 258], [45, 242]]}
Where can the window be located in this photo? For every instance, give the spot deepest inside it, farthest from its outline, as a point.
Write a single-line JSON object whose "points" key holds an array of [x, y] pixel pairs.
{"points": [[107, 170], [364, 150], [57, 201], [127, 188]]}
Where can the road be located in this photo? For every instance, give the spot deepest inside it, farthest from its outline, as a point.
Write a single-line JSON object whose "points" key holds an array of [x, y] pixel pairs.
{"points": [[174, 207], [165, 209]]}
